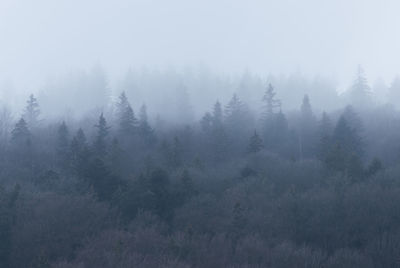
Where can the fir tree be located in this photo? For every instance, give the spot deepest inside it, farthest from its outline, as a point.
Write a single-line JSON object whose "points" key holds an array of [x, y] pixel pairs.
{"points": [[145, 130], [270, 103], [62, 145], [255, 144], [325, 136], [79, 153], [20, 134], [32, 111], [360, 92], [127, 121], [100, 144]]}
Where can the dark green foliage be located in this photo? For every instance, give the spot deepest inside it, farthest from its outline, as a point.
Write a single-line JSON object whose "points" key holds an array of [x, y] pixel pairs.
{"points": [[79, 153], [255, 144], [7, 219], [20, 135], [99, 177], [126, 117], [145, 131], [63, 146], [101, 143]]}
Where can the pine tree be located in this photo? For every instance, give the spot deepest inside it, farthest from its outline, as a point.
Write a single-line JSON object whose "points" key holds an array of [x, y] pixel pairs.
{"points": [[20, 134], [79, 153], [255, 144], [360, 92], [346, 152], [32, 112], [217, 116], [127, 121], [307, 129], [62, 145], [145, 130], [270, 103], [325, 136], [100, 144]]}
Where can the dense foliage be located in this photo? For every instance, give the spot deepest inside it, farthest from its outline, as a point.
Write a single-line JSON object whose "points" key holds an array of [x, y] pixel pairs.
{"points": [[234, 189]]}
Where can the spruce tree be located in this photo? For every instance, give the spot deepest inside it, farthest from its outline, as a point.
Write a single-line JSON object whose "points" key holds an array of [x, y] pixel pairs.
{"points": [[360, 92], [20, 135], [32, 111], [145, 130], [325, 136], [100, 144], [307, 129], [126, 117], [62, 145], [79, 152], [270, 103], [255, 144]]}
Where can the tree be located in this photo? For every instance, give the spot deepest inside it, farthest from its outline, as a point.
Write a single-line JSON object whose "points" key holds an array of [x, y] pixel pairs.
{"points": [[126, 117], [346, 152], [270, 103], [145, 130], [100, 144], [238, 123], [360, 92], [325, 136], [62, 145], [394, 91], [79, 152], [255, 144], [307, 129], [20, 135], [32, 112]]}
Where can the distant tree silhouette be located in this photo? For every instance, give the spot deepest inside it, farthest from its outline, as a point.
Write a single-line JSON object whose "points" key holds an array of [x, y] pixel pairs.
{"points": [[32, 112], [255, 144]]}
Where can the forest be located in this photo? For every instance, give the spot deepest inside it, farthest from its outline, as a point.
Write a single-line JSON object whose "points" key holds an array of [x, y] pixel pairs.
{"points": [[258, 180]]}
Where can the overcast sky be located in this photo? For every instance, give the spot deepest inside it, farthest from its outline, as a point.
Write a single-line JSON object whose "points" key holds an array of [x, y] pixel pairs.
{"points": [[45, 37]]}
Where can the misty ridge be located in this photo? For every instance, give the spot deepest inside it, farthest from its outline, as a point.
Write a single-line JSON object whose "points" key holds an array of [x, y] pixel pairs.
{"points": [[252, 139], [196, 169]]}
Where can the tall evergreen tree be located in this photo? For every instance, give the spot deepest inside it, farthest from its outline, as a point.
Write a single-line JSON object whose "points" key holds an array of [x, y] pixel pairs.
{"points": [[307, 129], [270, 103], [360, 92], [32, 111], [145, 130], [100, 144], [325, 136], [20, 135], [255, 144], [126, 117], [62, 145], [79, 153]]}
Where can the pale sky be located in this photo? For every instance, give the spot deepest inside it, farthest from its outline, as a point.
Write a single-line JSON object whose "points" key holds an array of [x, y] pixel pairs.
{"points": [[327, 37]]}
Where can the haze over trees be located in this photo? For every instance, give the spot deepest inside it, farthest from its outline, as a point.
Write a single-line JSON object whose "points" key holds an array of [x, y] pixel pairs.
{"points": [[245, 184]]}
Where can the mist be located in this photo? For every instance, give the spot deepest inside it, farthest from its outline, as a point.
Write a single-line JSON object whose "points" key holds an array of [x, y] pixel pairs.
{"points": [[46, 39], [199, 134]]}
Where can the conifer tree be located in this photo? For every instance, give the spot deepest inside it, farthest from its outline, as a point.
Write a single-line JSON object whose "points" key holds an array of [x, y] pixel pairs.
{"points": [[62, 145], [360, 92], [307, 129], [270, 103], [79, 153], [32, 112], [145, 130], [255, 144], [325, 136], [100, 144], [126, 117], [20, 134]]}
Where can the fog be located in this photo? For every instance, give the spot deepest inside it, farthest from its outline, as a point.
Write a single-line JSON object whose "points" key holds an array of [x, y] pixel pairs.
{"points": [[212, 133], [42, 40]]}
